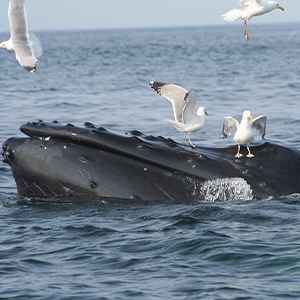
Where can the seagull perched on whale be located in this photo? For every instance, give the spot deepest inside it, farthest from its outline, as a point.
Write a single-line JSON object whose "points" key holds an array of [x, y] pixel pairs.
{"points": [[244, 130], [27, 48], [184, 103], [251, 8]]}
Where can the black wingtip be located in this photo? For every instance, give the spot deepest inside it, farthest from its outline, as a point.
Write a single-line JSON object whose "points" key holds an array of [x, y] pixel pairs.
{"points": [[157, 85], [30, 69]]}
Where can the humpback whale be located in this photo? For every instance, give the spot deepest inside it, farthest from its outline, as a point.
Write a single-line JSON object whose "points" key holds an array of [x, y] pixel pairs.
{"points": [[56, 161]]}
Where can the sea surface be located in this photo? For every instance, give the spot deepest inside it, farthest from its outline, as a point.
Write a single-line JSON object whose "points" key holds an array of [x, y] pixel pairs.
{"points": [[233, 249]]}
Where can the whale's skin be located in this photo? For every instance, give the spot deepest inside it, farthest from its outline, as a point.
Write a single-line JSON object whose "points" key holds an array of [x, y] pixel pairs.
{"points": [[57, 161]]}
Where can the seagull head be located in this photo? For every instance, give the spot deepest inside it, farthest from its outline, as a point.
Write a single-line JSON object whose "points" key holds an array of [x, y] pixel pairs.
{"points": [[275, 5], [247, 115], [280, 7], [201, 111], [7, 45], [3, 44]]}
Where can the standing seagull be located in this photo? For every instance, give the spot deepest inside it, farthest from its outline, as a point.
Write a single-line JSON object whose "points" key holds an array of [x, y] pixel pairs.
{"points": [[244, 133], [27, 48], [184, 103], [251, 8]]}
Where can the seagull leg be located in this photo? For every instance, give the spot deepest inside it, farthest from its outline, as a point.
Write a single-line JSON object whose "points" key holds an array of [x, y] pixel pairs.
{"points": [[246, 31], [185, 142], [193, 146], [249, 154], [238, 155]]}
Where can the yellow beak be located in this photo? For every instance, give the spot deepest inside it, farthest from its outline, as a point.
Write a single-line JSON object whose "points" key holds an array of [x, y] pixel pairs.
{"points": [[280, 7], [250, 117]]}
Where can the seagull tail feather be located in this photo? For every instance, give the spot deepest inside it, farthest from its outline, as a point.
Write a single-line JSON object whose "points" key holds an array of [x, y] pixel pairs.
{"points": [[179, 126], [232, 15]]}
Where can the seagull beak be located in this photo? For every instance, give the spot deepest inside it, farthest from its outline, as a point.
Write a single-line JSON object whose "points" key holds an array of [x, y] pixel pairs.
{"points": [[280, 7], [250, 117], [206, 113]]}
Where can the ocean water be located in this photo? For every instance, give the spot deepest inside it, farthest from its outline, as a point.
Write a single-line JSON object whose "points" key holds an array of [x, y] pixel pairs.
{"points": [[213, 250]]}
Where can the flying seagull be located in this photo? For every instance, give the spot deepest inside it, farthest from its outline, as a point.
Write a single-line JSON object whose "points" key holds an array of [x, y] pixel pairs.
{"points": [[184, 103], [244, 130], [27, 48], [251, 8]]}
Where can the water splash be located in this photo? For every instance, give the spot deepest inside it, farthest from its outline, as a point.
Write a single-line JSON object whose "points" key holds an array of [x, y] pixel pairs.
{"points": [[225, 189]]}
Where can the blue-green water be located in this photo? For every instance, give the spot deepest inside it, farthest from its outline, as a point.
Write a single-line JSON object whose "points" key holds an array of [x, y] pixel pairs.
{"points": [[214, 250]]}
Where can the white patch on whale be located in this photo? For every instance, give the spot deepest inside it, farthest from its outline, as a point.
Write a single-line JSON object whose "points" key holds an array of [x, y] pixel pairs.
{"points": [[224, 189]]}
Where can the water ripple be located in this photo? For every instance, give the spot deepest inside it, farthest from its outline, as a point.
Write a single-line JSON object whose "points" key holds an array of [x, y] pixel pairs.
{"points": [[213, 250]]}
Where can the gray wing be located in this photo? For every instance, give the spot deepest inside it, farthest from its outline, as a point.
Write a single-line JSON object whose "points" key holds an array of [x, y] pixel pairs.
{"points": [[174, 93], [190, 106], [35, 45], [259, 124], [229, 123], [19, 35]]}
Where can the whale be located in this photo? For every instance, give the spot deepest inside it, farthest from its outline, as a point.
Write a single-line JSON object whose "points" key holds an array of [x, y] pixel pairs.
{"points": [[57, 161]]}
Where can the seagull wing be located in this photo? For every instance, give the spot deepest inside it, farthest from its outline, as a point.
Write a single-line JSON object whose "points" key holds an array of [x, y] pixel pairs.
{"points": [[189, 110], [19, 35], [173, 93], [229, 123], [249, 2], [259, 124], [35, 45]]}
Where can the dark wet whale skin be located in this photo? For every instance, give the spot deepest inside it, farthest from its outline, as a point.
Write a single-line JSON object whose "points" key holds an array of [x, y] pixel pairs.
{"points": [[57, 161]]}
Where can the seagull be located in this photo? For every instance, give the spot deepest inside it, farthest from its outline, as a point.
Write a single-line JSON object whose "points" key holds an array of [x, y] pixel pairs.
{"points": [[244, 130], [184, 102], [251, 8], [27, 48]]}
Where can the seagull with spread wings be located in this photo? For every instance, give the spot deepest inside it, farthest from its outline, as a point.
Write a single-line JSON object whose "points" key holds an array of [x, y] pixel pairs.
{"points": [[251, 8], [244, 130], [184, 108], [27, 47]]}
